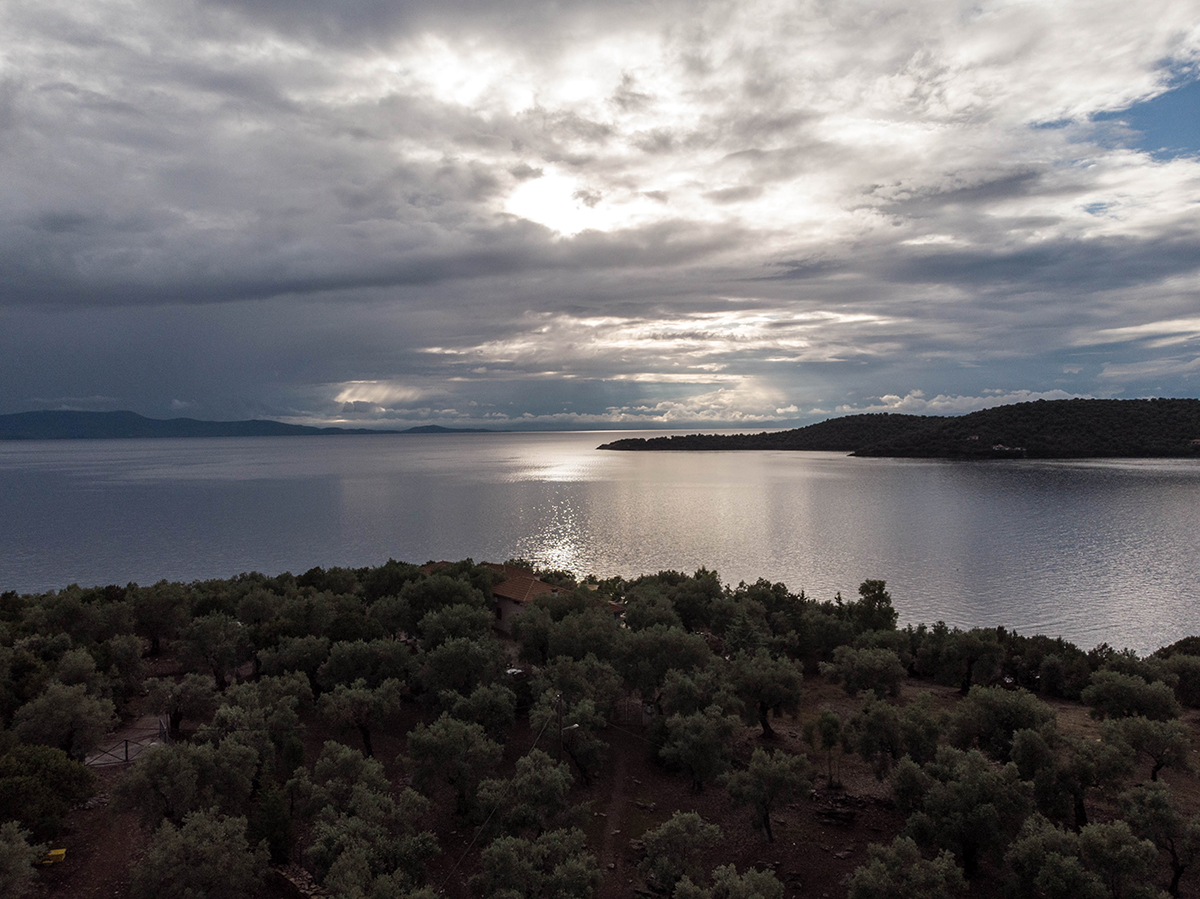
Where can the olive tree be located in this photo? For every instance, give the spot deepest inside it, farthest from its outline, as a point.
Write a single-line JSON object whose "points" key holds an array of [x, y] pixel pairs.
{"points": [[555, 865], [573, 728], [1112, 694], [1063, 769], [216, 642], [676, 848], [193, 697], [532, 799], [828, 734], [699, 744], [727, 883], [208, 856], [17, 857], [989, 717], [361, 707], [453, 752], [770, 780], [1161, 743], [492, 705], [1154, 816], [898, 871], [39, 785], [873, 668], [767, 684], [1045, 864], [963, 803], [66, 717]]}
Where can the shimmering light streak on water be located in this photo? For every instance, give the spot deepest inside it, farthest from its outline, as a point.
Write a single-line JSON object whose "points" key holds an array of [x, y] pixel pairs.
{"points": [[1093, 551]]}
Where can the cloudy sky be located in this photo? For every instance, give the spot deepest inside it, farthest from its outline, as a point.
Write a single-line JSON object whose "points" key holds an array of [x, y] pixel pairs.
{"points": [[582, 214]]}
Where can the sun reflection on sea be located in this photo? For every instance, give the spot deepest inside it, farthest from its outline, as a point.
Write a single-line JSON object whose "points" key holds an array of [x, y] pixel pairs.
{"points": [[554, 460], [558, 542]]}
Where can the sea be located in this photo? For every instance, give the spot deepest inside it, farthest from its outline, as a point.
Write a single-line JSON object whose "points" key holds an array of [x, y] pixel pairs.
{"points": [[1095, 551]]}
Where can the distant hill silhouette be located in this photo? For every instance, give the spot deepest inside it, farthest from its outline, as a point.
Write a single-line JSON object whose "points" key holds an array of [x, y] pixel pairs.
{"points": [[1056, 429], [56, 425], [438, 429]]}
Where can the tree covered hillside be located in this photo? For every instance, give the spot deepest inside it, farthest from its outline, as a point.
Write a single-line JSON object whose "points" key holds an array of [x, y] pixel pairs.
{"points": [[1057, 429], [370, 734], [835, 435]]}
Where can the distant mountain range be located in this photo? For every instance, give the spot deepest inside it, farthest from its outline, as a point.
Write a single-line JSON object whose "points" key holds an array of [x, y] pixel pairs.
{"points": [[1056, 429], [54, 425]]}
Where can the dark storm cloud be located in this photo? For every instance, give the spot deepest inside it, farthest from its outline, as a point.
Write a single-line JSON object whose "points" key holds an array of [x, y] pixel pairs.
{"points": [[631, 213], [506, 249], [1065, 267]]}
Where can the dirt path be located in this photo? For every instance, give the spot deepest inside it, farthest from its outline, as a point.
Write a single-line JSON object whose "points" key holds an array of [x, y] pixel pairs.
{"points": [[101, 845], [614, 817]]}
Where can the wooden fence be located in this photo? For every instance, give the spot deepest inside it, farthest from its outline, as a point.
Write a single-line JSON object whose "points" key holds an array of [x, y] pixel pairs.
{"points": [[125, 746]]}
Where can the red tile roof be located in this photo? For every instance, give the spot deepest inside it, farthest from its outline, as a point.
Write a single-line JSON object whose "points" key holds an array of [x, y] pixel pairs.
{"points": [[522, 587], [519, 585]]}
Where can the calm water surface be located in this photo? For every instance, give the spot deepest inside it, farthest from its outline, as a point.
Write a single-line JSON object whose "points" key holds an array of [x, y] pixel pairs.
{"points": [[1093, 551]]}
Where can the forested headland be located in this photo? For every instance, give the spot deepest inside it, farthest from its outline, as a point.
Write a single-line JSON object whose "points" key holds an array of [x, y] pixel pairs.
{"points": [[1055, 429], [371, 734]]}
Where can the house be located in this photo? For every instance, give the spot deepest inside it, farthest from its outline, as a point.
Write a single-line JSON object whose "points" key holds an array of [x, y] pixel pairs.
{"points": [[519, 586], [510, 596]]}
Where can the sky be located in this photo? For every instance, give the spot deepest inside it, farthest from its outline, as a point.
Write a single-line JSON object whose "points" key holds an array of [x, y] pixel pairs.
{"points": [[595, 215]]}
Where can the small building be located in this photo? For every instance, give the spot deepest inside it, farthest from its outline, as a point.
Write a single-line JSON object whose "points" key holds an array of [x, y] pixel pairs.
{"points": [[510, 596]]}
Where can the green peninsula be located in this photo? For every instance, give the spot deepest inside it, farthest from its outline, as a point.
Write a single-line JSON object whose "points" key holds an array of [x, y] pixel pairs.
{"points": [[1054, 429]]}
